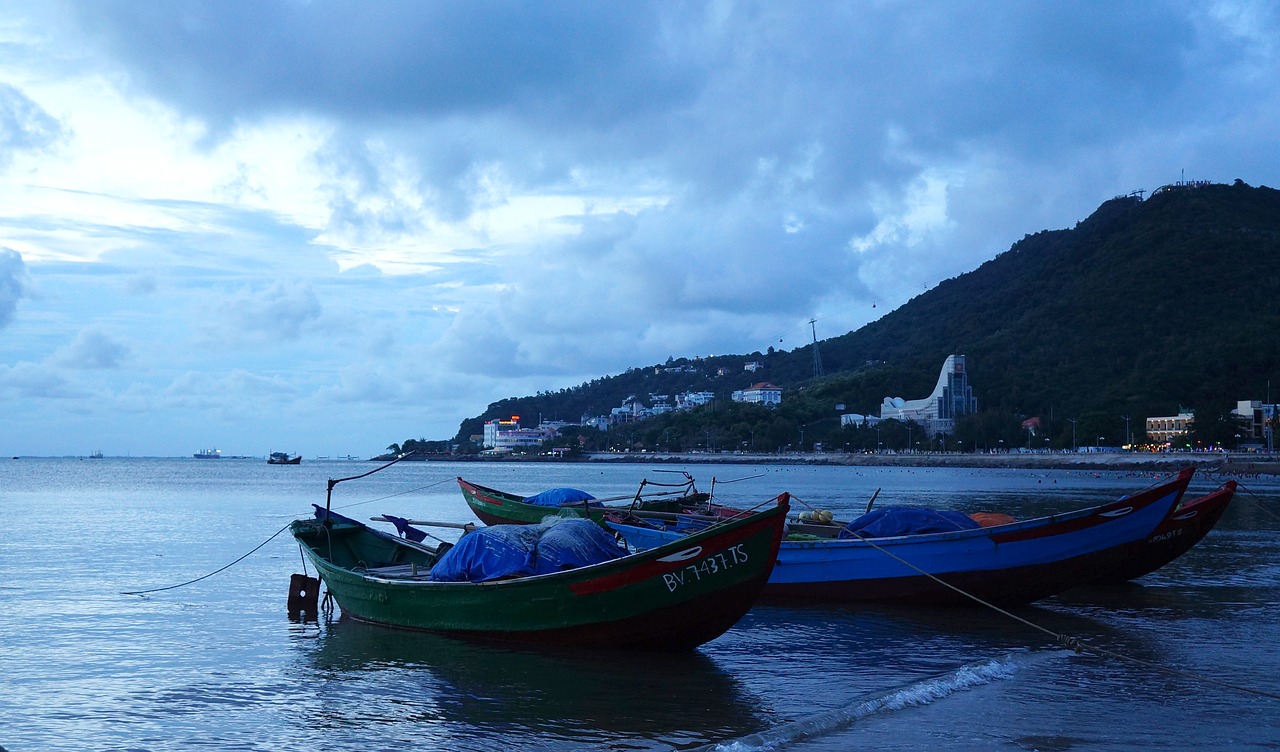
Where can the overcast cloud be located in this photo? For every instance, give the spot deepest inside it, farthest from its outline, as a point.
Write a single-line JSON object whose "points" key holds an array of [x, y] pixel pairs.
{"points": [[323, 227]]}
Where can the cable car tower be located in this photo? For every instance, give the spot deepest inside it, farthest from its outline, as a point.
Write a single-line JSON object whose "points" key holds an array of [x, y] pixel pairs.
{"points": [[817, 356]]}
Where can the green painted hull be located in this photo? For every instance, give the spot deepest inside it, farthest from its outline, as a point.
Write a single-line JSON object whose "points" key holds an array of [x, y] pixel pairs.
{"points": [[494, 507], [675, 597]]}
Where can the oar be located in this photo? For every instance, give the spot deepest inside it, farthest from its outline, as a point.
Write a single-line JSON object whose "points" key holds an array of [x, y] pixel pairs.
{"points": [[873, 500], [467, 526], [644, 496]]}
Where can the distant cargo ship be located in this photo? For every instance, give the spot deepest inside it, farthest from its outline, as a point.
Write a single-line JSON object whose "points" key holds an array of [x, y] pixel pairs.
{"points": [[209, 454], [282, 458]]}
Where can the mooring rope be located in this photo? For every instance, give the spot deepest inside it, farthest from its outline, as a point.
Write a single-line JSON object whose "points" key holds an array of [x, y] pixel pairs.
{"points": [[286, 527], [1068, 641], [1257, 500], [216, 571]]}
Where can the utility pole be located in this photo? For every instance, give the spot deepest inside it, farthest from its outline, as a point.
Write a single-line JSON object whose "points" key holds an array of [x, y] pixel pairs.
{"points": [[1128, 437], [817, 356], [1074, 448]]}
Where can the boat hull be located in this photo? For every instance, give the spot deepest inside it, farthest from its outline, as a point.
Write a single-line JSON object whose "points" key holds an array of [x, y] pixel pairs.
{"points": [[1181, 530], [494, 507], [1010, 564], [671, 598]]}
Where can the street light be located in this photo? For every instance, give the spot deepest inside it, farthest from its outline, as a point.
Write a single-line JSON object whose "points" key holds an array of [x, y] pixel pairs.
{"points": [[1074, 445], [1099, 444]]}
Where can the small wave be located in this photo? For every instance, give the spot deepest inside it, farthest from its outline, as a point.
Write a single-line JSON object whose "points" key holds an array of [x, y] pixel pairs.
{"points": [[920, 693]]}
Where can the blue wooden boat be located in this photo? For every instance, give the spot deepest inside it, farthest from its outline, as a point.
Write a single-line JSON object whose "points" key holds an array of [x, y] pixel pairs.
{"points": [[1007, 564]]}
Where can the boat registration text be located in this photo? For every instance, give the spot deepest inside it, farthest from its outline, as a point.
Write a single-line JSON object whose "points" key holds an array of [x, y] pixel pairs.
{"points": [[705, 568]]}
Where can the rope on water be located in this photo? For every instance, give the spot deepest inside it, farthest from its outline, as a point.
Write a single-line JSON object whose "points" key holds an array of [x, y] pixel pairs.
{"points": [[1074, 643], [1257, 500], [216, 571], [281, 530]]}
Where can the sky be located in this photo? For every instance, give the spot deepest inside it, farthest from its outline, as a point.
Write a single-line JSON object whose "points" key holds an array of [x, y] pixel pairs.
{"points": [[324, 227]]}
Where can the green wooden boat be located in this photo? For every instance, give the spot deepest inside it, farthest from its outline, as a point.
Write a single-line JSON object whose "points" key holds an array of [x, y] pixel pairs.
{"points": [[674, 597], [495, 507]]}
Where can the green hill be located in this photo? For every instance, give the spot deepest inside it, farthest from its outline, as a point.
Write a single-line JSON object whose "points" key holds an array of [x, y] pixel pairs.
{"points": [[1144, 307]]}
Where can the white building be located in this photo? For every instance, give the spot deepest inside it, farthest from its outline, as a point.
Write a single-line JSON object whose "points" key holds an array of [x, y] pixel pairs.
{"points": [[1256, 417], [763, 393], [506, 435], [937, 413], [690, 400], [1164, 429]]}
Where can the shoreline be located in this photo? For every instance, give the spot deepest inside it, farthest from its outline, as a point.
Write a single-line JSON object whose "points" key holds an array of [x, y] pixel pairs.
{"points": [[1209, 463], [1217, 464]]}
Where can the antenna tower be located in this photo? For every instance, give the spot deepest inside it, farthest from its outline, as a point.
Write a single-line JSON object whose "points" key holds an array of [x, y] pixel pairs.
{"points": [[817, 356]]}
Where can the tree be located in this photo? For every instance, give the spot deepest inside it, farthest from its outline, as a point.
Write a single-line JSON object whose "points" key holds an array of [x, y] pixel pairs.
{"points": [[1213, 428]]}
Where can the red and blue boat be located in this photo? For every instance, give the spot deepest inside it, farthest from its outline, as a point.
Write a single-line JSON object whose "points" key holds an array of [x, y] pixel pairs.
{"points": [[1182, 529], [1005, 564]]}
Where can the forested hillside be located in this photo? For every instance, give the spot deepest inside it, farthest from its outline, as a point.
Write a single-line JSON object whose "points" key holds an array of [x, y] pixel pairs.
{"points": [[1144, 307]]}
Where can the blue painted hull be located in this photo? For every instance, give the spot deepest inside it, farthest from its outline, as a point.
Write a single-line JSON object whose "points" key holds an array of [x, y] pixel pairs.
{"points": [[1010, 564]]}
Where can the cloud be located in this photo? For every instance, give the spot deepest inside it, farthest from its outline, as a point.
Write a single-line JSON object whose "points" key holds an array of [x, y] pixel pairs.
{"points": [[93, 350], [399, 212], [13, 275], [24, 125], [236, 390], [37, 381], [277, 313]]}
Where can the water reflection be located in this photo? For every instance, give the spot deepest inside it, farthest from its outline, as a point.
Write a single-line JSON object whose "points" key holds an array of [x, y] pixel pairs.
{"points": [[501, 692]]}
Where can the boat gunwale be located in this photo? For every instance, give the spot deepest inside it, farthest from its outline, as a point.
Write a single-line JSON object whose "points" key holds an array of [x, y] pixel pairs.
{"points": [[591, 571], [1157, 494]]}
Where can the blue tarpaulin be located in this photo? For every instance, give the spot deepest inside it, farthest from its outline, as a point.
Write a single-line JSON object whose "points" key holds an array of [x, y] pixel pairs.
{"points": [[504, 550], [887, 522], [558, 497], [487, 554], [569, 544]]}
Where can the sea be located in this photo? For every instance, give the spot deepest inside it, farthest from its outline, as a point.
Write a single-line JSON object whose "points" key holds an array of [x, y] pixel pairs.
{"points": [[143, 607]]}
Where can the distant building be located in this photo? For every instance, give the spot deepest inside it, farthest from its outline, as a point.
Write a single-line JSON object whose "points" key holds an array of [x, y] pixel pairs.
{"points": [[1163, 429], [690, 400], [506, 435], [857, 419], [937, 413], [763, 393], [753, 366], [1256, 417]]}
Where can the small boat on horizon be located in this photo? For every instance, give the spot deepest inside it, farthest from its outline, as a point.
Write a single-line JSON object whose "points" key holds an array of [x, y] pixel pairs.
{"points": [[283, 458]]}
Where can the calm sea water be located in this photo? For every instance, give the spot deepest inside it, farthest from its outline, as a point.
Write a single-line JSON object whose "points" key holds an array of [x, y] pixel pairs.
{"points": [[217, 665]]}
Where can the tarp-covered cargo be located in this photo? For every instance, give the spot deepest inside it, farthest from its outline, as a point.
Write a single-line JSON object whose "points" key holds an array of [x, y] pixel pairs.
{"points": [[498, 551], [887, 522], [558, 497]]}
